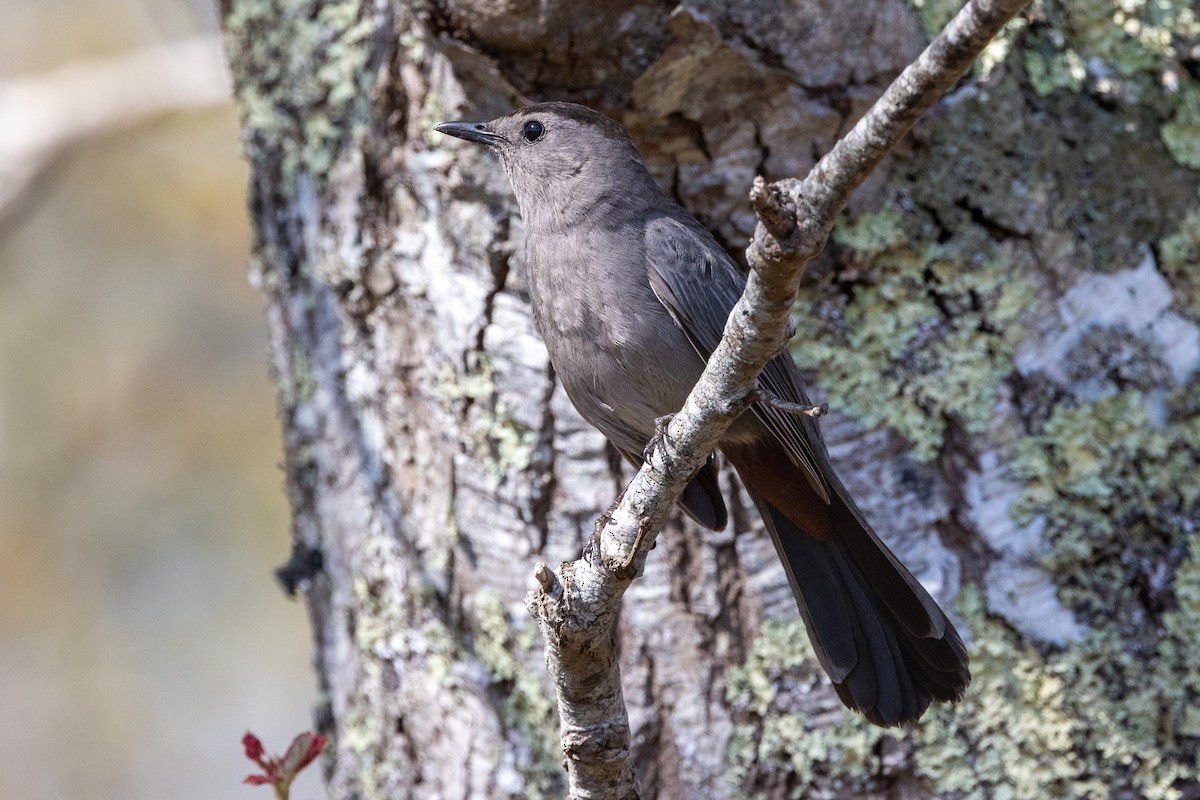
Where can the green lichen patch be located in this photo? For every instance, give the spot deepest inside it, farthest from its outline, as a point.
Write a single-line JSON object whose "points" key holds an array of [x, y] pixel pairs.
{"points": [[1182, 133], [1097, 721], [1133, 41], [490, 431], [1122, 509], [524, 703], [1100, 720], [1050, 64], [1106, 719], [1179, 259], [918, 339], [781, 652], [1133, 709], [1013, 735], [778, 750], [1116, 494], [302, 79], [1131, 51]]}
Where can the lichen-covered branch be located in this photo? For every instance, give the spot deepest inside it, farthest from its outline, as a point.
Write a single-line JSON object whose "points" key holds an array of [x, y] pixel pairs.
{"points": [[577, 608]]}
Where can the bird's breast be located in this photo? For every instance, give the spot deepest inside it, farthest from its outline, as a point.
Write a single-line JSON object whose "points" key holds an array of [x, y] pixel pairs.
{"points": [[613, 345]]}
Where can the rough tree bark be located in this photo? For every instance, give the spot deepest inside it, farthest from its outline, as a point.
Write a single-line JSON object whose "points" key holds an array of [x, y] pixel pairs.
{"points": [[1006, 332]]}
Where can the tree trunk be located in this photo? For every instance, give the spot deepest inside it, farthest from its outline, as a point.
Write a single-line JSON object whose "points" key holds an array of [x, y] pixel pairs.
{"points": [[1006, 333]]}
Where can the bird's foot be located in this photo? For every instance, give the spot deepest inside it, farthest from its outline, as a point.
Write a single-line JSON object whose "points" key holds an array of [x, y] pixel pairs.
{"points": [[660, 437]]}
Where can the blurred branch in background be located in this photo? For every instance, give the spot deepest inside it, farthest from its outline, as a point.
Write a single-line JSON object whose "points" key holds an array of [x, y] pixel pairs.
{"points": [[43, 116], [140, 506]]}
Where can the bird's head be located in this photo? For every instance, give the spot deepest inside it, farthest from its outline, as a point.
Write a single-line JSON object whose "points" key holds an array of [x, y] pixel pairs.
{"points": [[560, 157]]}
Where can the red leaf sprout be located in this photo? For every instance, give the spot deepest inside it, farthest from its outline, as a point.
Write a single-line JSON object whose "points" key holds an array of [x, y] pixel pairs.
{"points": [[281, 771]]}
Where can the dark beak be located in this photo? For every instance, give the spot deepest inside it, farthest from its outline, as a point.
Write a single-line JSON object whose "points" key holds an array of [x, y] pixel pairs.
{"points": [[471, 131]]}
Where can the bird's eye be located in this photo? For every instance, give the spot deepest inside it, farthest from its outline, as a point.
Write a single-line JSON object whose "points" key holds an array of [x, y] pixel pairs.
{"points": [[533, 130]]}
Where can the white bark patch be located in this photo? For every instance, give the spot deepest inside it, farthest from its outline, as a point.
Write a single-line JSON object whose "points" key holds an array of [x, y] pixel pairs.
{"points": [[1027, 599], [1017, 589], [1135, 299]]}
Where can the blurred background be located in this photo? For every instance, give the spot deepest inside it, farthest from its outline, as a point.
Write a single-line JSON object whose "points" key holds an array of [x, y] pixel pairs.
{"points": [[141, 501]]}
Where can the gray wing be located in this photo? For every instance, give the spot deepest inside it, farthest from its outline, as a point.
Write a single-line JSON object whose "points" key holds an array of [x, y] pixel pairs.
{"points": [[701, 498], [699, 284]]}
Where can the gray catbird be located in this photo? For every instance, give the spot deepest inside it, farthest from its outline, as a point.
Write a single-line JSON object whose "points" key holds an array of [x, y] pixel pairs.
{"points": [[631, 295]]}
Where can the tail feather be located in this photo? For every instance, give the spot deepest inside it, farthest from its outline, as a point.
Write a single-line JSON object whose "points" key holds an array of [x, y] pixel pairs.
{"points": [[886, 645], [702, 498], [908, 601], [824, 604], [944, 684], [888, 698]]}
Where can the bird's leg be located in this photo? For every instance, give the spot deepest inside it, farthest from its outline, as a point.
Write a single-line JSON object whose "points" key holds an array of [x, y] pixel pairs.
{"points": [[607, 516], [626, 570], [772, 400], [591, 550]]}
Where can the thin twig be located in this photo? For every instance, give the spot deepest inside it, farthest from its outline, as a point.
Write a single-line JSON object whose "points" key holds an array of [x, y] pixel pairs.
{"points": [[769, 398]]}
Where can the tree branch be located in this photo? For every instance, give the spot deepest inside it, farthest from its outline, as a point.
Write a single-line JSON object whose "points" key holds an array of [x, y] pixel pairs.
{"points": [[43, 116], [577, 608]]}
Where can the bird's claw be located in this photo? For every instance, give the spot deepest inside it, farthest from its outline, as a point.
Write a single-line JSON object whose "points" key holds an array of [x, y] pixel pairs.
{"points": [[660, 437], [627, 570]]}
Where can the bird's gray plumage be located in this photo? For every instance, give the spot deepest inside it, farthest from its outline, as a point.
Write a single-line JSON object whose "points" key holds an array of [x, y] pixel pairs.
{"points": [[631, 295]]}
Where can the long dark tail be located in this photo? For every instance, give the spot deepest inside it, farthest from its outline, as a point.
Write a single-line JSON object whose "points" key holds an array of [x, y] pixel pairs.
{"points": [[886, 645]]}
